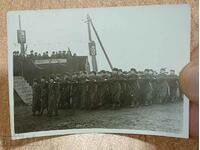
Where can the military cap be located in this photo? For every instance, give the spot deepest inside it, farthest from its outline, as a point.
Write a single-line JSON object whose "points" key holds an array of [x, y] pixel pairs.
{"points": [[172, 70], [103, 71], [92, 72], [120, 70], [115, 69], [133, 69], [163, 69]]}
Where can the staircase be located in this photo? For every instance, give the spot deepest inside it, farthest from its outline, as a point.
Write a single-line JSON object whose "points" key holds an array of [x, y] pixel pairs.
{"points": [[23, 89]]}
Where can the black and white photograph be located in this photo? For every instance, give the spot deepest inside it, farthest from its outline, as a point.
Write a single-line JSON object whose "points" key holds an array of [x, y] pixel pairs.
{"points": [[98, 70]]}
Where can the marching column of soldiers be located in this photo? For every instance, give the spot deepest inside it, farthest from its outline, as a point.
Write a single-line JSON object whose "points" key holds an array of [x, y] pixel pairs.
{"points": [[104, 89]]}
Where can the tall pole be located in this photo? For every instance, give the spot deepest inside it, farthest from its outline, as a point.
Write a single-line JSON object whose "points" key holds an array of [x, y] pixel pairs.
{"points": [[89, 30], [21, 47], [102, 47], [21, 43], [19, 22], [93, 55]]}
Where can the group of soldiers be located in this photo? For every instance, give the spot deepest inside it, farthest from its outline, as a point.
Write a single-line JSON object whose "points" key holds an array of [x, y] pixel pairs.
{"points": [[104, 89]]}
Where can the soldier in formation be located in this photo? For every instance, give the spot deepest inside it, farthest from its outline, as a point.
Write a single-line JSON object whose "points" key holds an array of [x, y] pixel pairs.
{"points": [[104, 89], [44, 95], [53, 99], [36, 103]]}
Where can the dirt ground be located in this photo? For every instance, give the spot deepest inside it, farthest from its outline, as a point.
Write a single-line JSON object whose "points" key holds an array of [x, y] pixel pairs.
{"points": [[166, 117]]}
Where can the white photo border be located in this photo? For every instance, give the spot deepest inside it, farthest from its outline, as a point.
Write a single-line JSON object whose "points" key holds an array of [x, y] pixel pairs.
{"points": [[14, 136]]}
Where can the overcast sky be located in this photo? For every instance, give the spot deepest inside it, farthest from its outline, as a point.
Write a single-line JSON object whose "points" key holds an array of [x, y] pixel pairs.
{"points": [[140, 37]]}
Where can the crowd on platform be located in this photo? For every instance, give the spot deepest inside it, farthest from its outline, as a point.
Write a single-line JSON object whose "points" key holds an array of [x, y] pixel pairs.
{"points": [[45, 55]]}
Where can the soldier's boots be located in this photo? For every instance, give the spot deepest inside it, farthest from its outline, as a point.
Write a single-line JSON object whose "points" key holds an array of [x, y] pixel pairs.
{"points": [[146, 103], [41, 112], [116, 106], [137, 104], [132, 104], [33, 114]]}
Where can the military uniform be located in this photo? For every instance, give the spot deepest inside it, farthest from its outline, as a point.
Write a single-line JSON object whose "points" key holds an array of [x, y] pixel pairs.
{"points": [[44, 95], [154, 83], [36, 103], [148, 90], [92, 92], [173, 86], [83, 91], [124, 87], [102, 88], [115, 90], [52, 104], [163, 88], [65, 93], [75, 93], [133, 89], [105, 91], [179, 93], [58, 93]]}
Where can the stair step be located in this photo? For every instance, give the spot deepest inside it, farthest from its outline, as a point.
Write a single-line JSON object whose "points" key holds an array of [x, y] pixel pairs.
{"points": [[22, 86], [25, 95], [21, 83], [18, 78], [23, 89]]}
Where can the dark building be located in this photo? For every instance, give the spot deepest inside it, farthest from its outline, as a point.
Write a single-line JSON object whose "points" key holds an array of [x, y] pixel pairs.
{"points": [[36, 67]]}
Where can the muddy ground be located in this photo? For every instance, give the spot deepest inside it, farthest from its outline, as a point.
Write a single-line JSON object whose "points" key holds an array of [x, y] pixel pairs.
{"points": [[166, 117]]}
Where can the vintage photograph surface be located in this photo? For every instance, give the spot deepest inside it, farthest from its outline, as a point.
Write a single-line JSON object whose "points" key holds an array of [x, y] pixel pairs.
{"points": [[98, 70]]}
